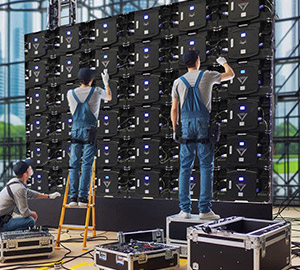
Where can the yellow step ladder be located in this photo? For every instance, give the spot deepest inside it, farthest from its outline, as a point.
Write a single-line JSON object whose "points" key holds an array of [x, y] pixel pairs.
{"points": [[90, 206]]}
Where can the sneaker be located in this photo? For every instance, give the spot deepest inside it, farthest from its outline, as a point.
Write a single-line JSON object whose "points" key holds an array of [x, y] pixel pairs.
{"points": [[83, 202], [184, 215], [73, 202], [209, 216]]}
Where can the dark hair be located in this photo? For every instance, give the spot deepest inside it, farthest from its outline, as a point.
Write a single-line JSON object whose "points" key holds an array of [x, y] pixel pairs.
{"points": [[84, 82], [191, 65], [20, 176]]}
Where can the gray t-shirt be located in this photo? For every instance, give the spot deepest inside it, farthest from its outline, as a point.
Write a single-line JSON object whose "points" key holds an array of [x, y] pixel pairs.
{"points": [[19, 203], [82, 93], [209, 78]]}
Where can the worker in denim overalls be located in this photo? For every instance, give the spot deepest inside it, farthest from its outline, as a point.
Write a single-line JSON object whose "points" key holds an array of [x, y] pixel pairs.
{"points": [[84, 104], [192, 92]]}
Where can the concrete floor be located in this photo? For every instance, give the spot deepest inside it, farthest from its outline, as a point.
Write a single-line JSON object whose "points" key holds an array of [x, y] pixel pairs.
{"points": [[85, 261]]}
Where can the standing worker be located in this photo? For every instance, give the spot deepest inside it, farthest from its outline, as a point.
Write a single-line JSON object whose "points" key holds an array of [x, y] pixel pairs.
{"points": [[13, 198], [84, 103], [193, 93]]}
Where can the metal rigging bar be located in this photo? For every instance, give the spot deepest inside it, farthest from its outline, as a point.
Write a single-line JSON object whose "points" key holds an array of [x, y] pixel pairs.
{"points": [[55, 12]]}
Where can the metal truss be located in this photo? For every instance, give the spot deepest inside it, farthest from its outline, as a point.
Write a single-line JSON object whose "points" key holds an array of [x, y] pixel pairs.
{"points": [[286, 180], [55, 12]]}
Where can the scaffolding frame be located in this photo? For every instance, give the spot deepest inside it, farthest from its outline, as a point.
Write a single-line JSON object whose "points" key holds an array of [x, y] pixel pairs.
{"points": [[286, 183]]}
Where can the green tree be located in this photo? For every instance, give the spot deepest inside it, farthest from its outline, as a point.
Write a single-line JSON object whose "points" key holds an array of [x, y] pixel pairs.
{"points": [[279, 132], [17, 133]]}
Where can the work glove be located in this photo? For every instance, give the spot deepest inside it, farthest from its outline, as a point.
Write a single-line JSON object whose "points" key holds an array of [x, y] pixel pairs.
{"points": [[105, 76], [221, 61], [54, 195], [175, 138]]}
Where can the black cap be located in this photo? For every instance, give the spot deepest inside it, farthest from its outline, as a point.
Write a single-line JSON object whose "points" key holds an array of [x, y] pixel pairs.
{"points": [[86, 74], [190, 56], [21, 166]]}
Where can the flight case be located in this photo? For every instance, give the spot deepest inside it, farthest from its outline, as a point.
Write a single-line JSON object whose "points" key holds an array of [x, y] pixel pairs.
{"points": [[136, 255], [24, 244], [176, 231], [240, 243]]}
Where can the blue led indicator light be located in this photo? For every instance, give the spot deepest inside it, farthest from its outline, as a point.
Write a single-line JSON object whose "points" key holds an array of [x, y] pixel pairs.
{"points": [[241, 179]]}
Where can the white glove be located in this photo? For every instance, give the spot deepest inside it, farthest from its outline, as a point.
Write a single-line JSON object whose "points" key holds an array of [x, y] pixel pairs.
{"points": [[221, 61], [105, 76], [54, 195]]}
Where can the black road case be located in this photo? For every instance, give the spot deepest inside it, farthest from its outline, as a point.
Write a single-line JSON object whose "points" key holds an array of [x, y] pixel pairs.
{"points": [[239, 243], [176, 231], [136, 255], [25, 244]]}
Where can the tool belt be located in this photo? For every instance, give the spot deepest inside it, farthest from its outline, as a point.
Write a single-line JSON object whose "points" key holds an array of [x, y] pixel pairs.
{"points": [[185, 141], [79, 141], [213, 131], [92, 137]]}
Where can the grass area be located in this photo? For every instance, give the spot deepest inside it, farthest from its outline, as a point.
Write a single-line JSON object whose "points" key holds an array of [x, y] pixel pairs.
{"points": [[293, 166]]}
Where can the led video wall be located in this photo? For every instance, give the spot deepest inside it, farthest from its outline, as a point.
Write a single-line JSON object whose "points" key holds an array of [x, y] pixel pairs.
{"points": [[142, 51]]}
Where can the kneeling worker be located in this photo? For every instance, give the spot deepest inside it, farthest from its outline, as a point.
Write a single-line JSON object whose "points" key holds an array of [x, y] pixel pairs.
{"points": [[13, 198]]}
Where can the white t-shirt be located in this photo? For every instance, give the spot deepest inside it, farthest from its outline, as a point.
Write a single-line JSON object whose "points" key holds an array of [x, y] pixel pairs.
{"points": [[82, 93], [209, 78]]}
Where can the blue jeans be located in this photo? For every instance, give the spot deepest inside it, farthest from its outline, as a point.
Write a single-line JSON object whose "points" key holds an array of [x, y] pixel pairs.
{"points": [[191, 129], [16, 224], [87, 152]]}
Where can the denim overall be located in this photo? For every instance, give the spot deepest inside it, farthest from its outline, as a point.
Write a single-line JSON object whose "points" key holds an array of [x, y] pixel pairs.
{"points": [[83, 119], [195, 126]]}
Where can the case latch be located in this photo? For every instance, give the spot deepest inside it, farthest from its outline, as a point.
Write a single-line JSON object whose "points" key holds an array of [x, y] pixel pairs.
{"points": [[248, 243], [120, 260], [169, 254], [194, 236], [142, 258], [11, 244], [44, 241]]}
